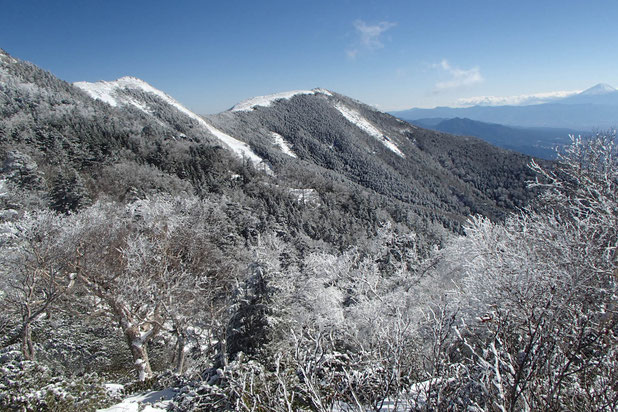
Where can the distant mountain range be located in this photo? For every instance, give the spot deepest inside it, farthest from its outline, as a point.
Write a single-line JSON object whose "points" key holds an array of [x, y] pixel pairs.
{"points": [[593, 109], [534, 141]]}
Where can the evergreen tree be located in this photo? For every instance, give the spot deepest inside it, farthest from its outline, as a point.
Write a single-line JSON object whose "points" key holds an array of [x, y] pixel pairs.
{"points": [[68, 193]]}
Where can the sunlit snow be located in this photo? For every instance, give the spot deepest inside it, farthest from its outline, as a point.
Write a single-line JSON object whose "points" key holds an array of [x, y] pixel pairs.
{"points": [[108, 92], [282, 144], [356, 118], [156, 401], [266, 101]]}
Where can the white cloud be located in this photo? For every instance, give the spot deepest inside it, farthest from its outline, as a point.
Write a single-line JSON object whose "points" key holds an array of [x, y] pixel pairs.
{"points": [[352, 53], [522, 99], [368, 36], [457, 77]]}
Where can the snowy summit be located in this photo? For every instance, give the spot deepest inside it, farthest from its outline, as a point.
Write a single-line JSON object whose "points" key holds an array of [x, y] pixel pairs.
{"points": [[111, 93], [266, 101], [601, 88]]}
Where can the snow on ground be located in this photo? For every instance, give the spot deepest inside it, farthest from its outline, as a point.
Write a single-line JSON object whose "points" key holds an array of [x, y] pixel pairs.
{"points": [[114, 388], [357, 119], [108, 92], [265, 101], [148, 402], [282, 144]]}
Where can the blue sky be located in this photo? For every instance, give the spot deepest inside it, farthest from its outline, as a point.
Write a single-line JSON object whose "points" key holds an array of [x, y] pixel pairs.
{"points": [[392, 54]]}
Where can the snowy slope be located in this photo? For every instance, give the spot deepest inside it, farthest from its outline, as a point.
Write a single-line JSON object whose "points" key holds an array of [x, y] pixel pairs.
{"points": [[266, 101], [280, 142], [111, 93], [357, 119]]}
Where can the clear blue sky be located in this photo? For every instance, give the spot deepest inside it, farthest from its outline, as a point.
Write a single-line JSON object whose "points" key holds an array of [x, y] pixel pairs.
{"points": [[392, 54]]}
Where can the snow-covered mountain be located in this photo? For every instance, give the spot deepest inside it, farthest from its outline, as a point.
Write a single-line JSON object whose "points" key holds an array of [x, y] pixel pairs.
{"points": [[130, 91], [601, 88], [267, 100], [601, 94], [308, 139], [343, 137], [345, 108]]}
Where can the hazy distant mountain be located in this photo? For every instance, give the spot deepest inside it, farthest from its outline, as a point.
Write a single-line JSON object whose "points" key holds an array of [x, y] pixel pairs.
{"points": [[538, 142], [600, 94], [594, 108]]}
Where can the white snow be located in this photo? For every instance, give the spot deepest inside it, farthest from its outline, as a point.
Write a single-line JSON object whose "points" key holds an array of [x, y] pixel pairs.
{"points": [[598, 89], [266, 101], [307, 196], [148, 402], [114, 388], [357, 119], [280, 142], [108, 92]]}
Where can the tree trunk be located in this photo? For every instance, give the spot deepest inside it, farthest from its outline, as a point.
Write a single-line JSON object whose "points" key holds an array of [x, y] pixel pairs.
{"points": [[27, 347], [180, 352], [139, 352]]}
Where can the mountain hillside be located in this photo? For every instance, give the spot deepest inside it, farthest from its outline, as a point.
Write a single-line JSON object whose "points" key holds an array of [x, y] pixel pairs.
{"points": [[537, 141], [135, 93], [431, 171]]}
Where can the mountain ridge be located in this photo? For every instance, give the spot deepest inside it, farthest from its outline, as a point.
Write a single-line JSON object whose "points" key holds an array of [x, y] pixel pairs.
{"points": [[304, 141], [537, 142], [593, 108]]}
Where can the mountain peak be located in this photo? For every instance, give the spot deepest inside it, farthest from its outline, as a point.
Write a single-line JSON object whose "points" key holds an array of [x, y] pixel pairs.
{"points": [[266, 101], [601, 88]]}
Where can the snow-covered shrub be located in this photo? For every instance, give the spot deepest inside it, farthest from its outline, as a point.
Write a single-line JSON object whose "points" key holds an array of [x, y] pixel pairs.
{"points": [[31, 386], [539, 326]]}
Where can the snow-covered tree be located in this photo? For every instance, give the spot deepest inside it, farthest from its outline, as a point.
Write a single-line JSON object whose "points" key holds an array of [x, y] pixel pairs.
{"points": [[35, 271], [151, 266], [538, 293]]}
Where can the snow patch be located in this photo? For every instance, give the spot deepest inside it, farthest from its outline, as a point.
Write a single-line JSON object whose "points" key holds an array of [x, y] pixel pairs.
{"points": [[266, 101], [156, 401], [104, 91], [357, 119], [280, 142], [108, 92], [114, 388], [306, 196]]}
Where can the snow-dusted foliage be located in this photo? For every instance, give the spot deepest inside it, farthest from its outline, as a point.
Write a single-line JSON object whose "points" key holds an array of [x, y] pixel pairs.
{"points": [[150, 265], [30, 386], [539, 325], [330, 335], [35, 272]]}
